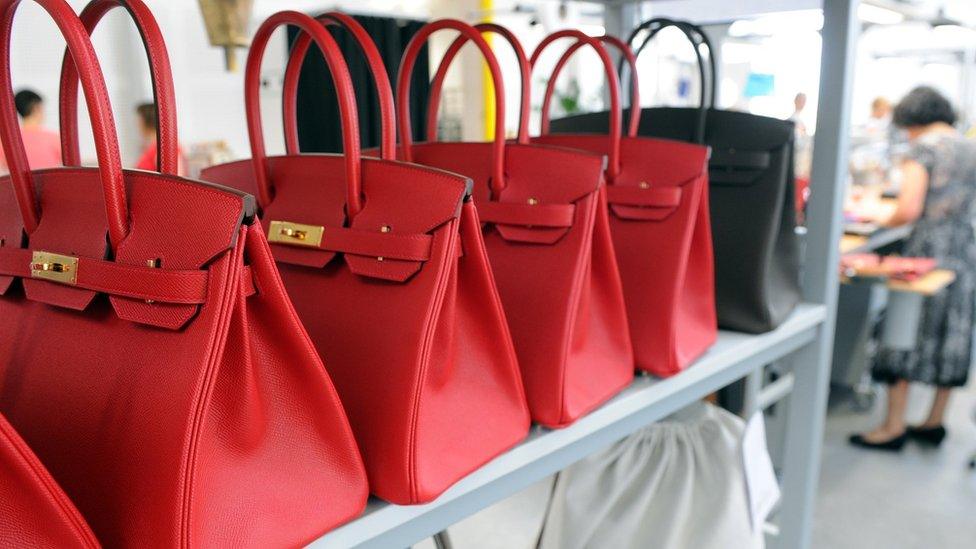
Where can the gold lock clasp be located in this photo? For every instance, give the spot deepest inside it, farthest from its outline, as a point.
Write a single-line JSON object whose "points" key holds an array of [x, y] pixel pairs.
{"points": [[296, 234], [54, 267]]}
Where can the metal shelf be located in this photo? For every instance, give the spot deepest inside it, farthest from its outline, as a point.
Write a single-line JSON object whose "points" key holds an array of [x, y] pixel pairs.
{"points": [[648, 399]]}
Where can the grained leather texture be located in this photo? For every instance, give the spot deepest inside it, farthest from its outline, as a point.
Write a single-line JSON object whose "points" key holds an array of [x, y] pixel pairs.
{"points": [[664, 251], [558, 280], [659, 220], [419, 348], [34, 511], [209, 426]]}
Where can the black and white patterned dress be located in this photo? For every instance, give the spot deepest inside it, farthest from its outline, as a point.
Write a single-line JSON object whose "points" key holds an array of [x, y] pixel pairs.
{"points": [[945, 231]]}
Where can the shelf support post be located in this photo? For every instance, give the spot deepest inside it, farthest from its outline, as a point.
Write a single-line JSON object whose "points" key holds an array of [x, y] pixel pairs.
{"points": [[808, 403]]}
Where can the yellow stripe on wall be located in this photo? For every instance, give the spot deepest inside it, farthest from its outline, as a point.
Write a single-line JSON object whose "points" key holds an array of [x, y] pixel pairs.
{"points": [[488, 87]]}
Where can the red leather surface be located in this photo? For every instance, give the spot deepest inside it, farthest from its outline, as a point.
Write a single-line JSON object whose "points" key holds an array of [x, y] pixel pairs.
{"points": [[661, 229], [555, 267], [168, 424], [417, 345], [34, 511]]}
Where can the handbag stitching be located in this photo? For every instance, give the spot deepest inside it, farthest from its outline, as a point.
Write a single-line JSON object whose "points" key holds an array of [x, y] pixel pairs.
{"points": [[226, 303], [433, 315]]}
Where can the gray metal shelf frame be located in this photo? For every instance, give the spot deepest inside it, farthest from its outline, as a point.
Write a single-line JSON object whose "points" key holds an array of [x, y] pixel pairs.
{"points": [[804, 343]]}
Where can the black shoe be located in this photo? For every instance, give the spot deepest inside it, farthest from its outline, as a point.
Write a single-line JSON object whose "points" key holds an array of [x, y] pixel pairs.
{"points": [[932, 436], [891, 445]]}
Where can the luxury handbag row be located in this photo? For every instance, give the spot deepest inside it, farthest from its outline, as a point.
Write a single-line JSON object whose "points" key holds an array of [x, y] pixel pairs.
{"points": [[241, 362]]}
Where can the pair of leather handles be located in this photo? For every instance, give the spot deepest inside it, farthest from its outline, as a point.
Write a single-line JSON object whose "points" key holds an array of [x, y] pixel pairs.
{"points": [[472, 34], [698, 40], [82, 63]]}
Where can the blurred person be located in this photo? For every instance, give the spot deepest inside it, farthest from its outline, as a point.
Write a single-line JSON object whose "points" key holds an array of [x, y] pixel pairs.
{"points": [[149, 130], [879, 122], [803, 153], [43, 146], [799, 104], [938, 192]]}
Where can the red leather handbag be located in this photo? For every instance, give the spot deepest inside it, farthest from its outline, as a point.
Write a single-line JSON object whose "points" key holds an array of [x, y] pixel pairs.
{"points": [[659, 219], [34, 511], [160, 374], [548, 240], [386, 266]]}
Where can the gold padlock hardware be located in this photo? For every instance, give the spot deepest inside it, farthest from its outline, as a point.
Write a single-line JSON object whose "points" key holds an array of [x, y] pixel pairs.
{"points": [[293, 233], [54, 267]]}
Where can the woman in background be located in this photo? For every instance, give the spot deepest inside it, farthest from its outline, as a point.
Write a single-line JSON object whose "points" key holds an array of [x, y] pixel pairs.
{"points": [[938, 193], [149, 130]]}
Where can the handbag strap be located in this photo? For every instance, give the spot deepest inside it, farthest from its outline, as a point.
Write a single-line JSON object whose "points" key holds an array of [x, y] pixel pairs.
{"points": [[344, 92], [407, 64], [627, 55], [99, 110], [525, 71], [697, 38], [167, 145], [613, 169], [176, 287], [374, 60]]}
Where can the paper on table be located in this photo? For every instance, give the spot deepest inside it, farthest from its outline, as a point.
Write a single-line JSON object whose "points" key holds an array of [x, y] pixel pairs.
{"points": [[762, 486]]}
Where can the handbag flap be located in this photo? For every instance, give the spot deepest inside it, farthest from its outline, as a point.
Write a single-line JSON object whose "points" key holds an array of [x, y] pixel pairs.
{"points": [[387, 239], [543, 183], [163, 211], [653, 177], [181, 225], [307, 189], [403, 200]]}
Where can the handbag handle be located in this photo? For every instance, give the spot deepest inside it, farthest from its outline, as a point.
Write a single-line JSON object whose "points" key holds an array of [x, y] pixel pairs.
{"points": [[99, 111], [691, 32], [613, 169], [407, 64], [344, 92], [695, 35], [167, 145], [437, 83], [626, 55], [377, 68]]}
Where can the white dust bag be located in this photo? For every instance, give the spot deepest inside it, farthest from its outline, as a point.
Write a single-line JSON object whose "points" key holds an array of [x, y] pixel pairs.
{"points": [[677, 484]]}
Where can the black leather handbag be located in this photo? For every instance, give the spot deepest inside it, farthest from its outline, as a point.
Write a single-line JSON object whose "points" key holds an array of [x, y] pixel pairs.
{"points": [[751, 193]]}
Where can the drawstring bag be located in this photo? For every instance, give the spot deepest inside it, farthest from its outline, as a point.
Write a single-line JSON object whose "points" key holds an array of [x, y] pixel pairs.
{"points": [[677, 484], [149, 355]]}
